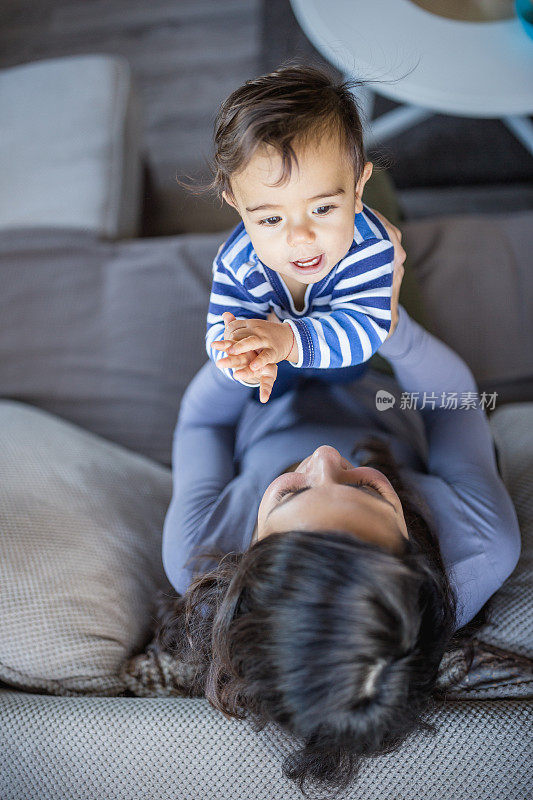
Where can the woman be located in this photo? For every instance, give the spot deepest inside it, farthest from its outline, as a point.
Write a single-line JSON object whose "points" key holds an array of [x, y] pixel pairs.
{"points": [[359, 540]]}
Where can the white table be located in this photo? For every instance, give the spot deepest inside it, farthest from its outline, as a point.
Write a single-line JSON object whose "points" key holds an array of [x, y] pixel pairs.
{"points": [[431, 63]]}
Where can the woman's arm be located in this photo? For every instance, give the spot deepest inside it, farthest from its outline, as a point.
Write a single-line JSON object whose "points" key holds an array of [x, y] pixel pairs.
{"points": [[431, 372], [461, 453], [202, 469], [475, 518]]}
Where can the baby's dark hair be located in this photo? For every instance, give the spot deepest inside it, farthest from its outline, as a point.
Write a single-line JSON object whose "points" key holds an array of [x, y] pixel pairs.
{"points": [[296, 103]]}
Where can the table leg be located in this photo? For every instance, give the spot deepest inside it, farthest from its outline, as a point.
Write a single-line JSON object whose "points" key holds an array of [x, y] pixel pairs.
{"points": [[394, 122], [522, 128], [389, 124]]}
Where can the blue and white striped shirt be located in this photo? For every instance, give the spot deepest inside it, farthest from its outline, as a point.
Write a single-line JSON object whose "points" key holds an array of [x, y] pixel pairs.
{"points": [[346, 315]]}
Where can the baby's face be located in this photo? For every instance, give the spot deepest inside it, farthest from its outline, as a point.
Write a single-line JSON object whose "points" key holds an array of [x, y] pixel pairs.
{"points": [[309, 217]]}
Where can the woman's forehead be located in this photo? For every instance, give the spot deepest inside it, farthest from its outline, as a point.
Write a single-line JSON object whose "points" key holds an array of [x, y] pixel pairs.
{"points": [[365, 517]]}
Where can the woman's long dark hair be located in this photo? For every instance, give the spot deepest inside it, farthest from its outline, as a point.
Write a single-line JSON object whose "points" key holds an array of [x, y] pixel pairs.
{"points": [[333, 638]]}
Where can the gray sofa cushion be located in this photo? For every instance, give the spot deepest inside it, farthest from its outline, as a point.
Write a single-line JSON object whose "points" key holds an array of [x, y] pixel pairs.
{"points": [[512, 623], [70, 151], [130, 748], [80, 554], [108, 334], [104, 334], [477, 289]]}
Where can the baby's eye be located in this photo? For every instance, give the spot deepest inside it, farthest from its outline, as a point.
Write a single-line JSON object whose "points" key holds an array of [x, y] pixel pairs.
{"points": [[268, 222], [271, 221]]}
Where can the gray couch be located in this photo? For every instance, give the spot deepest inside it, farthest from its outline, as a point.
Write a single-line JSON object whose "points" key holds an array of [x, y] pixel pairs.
{"points": [[98, 340]]}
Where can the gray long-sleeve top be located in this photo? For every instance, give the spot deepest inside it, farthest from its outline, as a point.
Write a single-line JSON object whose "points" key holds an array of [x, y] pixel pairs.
{"points": [[228, 448]]}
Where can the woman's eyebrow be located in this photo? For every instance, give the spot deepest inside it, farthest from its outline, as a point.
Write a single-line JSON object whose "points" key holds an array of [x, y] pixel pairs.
{"points": [[305, 488], [264, 206]]}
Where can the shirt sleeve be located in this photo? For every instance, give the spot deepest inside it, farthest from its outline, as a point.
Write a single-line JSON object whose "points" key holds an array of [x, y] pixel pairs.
{"points": [[227, 294], [204, 476], [355, 323], [460, 453]]}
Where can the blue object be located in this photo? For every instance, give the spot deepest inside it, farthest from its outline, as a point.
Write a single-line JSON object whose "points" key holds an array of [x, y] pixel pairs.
{"points": [[524, 10]]}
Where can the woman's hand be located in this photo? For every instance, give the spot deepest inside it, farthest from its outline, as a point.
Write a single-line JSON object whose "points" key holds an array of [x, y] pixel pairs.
{"points": [[399, 258]]}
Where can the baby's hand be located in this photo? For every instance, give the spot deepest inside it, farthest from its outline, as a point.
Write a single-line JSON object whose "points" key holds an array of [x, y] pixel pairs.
{"points": [[235, 361], [240, 363], [266, 377], [274, 340]]}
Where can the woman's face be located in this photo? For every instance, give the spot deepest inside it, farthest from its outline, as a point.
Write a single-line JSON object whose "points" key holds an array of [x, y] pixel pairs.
{"points": [[327, 492]]}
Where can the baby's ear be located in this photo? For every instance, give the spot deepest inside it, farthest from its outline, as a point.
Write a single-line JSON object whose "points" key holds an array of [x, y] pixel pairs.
{"points": [[229, 199], [367, 172]]}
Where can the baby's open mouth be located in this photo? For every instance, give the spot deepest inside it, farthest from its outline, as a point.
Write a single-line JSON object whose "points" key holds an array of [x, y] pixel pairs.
{"points": [[309, 264]]}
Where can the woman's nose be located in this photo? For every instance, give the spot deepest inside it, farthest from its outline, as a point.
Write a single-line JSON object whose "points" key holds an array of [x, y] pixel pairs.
{"points": [[324, 464]]}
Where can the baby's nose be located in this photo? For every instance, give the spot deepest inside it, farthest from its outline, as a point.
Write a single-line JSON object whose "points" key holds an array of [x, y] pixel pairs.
{"points": [[301, 234]]}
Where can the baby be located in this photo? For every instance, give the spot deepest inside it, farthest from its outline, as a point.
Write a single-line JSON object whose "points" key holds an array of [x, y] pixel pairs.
{"points": [[304, 281]]}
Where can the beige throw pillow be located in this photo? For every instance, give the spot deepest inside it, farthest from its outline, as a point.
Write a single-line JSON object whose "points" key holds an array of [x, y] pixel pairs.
{"points": [[80, 554]]}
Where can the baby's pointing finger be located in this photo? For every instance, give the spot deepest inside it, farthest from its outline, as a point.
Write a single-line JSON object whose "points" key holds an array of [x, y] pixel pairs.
{"points": [[266, 382]]}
